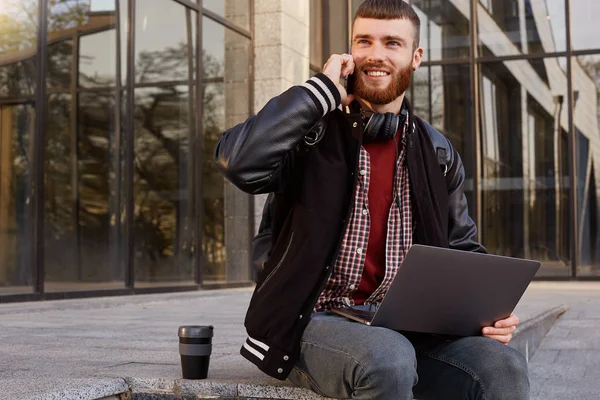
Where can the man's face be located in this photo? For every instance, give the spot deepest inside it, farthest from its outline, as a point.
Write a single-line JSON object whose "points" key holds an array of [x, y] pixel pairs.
{"points": [[384, 58]]}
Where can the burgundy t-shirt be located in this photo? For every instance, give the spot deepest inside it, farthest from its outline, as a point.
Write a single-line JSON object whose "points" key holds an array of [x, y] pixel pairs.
{"points": [[382, 157]]}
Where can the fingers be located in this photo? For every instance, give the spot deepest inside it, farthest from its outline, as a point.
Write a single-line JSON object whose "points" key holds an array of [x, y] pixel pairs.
{"points": [[505, 339], [347, 64], [338, 66], [498, 331], [503, 330], [513, 320]]}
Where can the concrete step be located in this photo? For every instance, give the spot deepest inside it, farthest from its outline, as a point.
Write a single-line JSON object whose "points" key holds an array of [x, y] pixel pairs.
{"points": [[526, 339]]}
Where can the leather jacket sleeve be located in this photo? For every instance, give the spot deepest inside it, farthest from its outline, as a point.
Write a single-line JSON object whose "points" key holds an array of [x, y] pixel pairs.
{"points": [[257, 154], [462, 231]]}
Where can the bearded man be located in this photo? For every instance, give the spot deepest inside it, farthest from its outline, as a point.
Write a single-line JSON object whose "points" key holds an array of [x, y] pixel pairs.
{"points": [[355, 180]]}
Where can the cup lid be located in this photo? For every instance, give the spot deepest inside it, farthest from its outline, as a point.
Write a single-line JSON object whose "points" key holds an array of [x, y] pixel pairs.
{"points": [[196, 331]]}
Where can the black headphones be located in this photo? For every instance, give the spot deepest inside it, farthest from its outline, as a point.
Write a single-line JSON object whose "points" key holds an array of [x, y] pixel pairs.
{"points": [[382, 127]]}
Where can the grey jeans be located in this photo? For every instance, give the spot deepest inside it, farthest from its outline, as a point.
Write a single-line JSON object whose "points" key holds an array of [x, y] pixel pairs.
{"points": [[347, 360]]}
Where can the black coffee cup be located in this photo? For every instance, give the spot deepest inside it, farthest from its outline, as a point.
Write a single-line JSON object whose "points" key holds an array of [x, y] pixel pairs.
{"points": [[195, 347]]}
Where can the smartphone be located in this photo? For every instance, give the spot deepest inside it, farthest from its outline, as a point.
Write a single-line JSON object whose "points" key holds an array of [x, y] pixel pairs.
{"points": [[350, 84]]}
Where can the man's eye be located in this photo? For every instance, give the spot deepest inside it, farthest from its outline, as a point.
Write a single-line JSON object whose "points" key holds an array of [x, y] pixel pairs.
{"points": [[363, 41], [394, 43]]}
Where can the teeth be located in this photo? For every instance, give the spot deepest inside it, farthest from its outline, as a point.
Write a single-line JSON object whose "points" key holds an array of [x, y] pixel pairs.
{"points": [[377, 73]]}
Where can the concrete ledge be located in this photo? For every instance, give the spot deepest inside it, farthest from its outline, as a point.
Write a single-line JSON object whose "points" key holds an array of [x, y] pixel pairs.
{"points": [[126, 348], [526, 339], [532, 331], [145, 389], [86, 389]]}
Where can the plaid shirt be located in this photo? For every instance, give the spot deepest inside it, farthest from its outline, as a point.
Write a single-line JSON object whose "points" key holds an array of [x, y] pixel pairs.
{"points": [[349, 265]]}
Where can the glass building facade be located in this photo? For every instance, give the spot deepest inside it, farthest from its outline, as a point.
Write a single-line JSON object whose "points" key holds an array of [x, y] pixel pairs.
{"points": [[515, 85], [110, 110]]}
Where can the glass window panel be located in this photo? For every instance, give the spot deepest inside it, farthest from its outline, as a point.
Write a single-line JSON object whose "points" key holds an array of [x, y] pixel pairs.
{"points": [[584, 24], [102, 5], [82, 164], [441, 95], [165, 37], [213, 51], [85, 40], [213, 195], [97, 59], [444, 28], [316, 36], [213, 123], [18, 40], [512, 27], [98, 173], [162, 187], [60, 65], [236, 11], [60, 194], [525, 178], [81, 155], [586, 86], [16, 131]]}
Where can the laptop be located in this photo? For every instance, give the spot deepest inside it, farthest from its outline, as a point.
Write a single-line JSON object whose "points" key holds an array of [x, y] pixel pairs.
{"points": [[449, 292]]}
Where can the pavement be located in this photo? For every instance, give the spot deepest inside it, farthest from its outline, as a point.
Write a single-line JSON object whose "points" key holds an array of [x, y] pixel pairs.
{"points": [[100, 348]]}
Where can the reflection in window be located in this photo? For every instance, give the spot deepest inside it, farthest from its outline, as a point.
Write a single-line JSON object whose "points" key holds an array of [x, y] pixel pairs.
{"points": [[488, 4], [441, 96], [213, 51], [98, 189], [16, 130], [444, 29], [165, 35], [102, 5], [213, 197], [584, 24], [509, 27], [17, 79], [61, 263], [525, 169], [586, 83], [82, 163], [162, 189], [490, 135], [213, 123], [97, 59], [164, 232], [60, 65]]}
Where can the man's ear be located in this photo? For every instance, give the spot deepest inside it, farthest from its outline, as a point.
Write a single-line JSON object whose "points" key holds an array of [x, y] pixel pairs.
{"points": [[417, 58]]}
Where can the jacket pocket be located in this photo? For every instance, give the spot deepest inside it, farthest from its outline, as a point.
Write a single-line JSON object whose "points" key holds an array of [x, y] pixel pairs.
{"points": [[279, 264]]}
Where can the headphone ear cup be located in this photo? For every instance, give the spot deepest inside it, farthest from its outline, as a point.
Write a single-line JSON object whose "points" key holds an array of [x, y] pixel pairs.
{"points": [[386, 129], [374, 126], [381, 127], [390, 126]]}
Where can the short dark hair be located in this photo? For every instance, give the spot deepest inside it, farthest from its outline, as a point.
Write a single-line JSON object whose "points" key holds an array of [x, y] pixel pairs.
{"points": [[390, 9]]}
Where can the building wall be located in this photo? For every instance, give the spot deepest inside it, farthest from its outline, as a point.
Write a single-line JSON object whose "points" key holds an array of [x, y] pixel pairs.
{"points": [[114, 190], [281, 55]]}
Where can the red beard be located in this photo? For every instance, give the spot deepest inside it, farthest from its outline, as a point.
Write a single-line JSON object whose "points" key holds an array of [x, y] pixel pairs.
{"points": [[398, 85]]}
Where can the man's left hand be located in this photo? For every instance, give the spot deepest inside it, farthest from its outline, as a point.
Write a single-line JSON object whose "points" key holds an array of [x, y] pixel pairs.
{"points": [[502, 330]]}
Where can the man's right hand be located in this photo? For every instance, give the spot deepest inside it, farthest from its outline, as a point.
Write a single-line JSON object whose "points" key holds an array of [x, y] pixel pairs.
{"points": [[340, 66]]}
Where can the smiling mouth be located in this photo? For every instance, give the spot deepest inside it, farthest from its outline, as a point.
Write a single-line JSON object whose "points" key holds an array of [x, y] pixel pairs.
{"points": [[377, 74]]}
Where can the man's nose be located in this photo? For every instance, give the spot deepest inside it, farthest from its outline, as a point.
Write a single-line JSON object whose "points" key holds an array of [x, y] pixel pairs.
{"points": [[376, 54]]}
